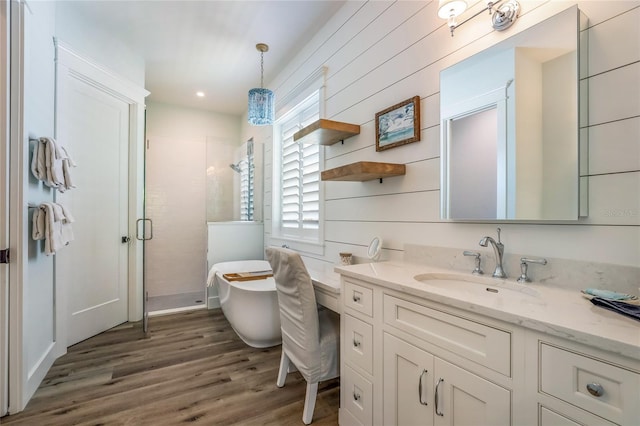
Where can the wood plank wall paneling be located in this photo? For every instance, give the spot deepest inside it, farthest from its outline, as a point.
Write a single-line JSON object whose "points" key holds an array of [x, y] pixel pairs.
{"points": [[379, 53], [614, 147]]}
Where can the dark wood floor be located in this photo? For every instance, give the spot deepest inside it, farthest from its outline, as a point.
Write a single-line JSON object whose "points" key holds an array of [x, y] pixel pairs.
{"points": [[191, 368]]}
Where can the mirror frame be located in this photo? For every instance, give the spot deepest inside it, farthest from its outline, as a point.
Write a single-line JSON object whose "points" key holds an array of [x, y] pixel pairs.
{"points": [[375, 246], [581, 136]]}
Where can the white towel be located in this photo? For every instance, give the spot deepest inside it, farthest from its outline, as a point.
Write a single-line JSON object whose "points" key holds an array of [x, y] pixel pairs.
{"points": [[38, 231], [62, 217], [211, 279], [67, 164], [38, 163], [57, 226], [51, 163]]}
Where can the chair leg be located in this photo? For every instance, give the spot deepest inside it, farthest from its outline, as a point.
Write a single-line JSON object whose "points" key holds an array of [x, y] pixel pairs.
{"points": [[284, 368], [309, 402]]}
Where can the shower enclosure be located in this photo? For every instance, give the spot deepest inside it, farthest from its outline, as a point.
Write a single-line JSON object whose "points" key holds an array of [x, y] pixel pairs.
{"points": [[190, 184]]}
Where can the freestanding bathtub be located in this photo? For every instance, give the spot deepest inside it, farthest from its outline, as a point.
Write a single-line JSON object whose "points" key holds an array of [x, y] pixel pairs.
{"points": [[251, 307]]}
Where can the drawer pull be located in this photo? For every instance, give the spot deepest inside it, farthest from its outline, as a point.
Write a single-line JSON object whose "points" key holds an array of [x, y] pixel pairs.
{"points": [[595, 389], [356, 298], [356, 344], [420, 388], [438, 412], [356, 396]]}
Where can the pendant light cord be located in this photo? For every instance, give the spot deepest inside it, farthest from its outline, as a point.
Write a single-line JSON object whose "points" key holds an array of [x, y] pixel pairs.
{"points": [[262, 70]]}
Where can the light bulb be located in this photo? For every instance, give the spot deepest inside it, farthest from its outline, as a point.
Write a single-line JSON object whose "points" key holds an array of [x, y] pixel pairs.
{"points": [[451, 8]]}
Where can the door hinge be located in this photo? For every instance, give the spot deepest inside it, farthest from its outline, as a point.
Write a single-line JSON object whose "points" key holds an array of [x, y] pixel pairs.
{"points": [[4, 256]]}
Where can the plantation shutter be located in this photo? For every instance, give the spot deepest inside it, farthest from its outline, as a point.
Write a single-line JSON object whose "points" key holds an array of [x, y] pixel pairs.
{"points": [[300, 191], [246, 188]]}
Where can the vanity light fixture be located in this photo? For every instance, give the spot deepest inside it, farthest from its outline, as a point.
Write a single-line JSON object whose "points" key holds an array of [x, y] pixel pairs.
{"points": [[200, 94], [261, 100], [503, 13]]}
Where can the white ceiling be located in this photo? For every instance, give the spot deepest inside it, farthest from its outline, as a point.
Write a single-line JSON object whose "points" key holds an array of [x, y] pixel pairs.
{"points": [[209, 45]]}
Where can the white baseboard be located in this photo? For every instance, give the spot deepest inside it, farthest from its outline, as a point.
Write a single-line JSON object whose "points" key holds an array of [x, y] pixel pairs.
{"points": [[213, 302]]}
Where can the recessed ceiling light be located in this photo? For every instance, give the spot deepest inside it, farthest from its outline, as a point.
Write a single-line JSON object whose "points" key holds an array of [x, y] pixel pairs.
{"points": [[200, 94]]}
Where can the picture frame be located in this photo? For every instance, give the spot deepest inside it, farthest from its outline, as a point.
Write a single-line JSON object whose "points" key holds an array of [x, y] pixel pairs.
{"points": [[398, 125]]}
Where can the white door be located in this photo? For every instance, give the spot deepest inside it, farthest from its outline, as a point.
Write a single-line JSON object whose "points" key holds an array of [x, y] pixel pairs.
{"points": [[4, 208], [93, 124]]}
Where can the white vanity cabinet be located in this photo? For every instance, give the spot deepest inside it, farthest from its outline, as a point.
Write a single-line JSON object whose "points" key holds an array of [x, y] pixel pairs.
{"points": [[406, 362], [407, 359]]}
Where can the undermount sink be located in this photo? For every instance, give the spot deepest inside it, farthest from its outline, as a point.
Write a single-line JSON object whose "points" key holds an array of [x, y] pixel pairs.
{"points": [[475, 284]]}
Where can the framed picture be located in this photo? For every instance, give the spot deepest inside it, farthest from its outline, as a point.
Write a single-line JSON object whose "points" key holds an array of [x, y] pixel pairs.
{"points": [[398, 125]]}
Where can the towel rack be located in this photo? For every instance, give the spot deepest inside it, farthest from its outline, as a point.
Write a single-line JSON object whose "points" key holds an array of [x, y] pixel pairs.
{"points": [[32, 206]]}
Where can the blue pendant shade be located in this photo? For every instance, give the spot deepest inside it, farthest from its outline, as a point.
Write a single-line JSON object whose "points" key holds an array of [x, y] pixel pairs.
{"points": [[261, 101], [261, 107]]}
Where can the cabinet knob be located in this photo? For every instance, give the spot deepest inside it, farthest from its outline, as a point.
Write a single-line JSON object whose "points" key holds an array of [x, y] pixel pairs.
{"points": [[595, 389], [356, 298], [356, 344], [356, 396]]}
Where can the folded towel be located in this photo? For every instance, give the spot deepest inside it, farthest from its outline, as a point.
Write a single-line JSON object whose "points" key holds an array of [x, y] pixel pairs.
{"points": [[608, 294], [62, 215], [52, 223], [38, 164], [51, 163], [623, 308], [67, 164], [38, 231]]}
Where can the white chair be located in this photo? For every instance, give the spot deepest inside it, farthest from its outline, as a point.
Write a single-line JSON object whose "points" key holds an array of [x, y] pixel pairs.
{"points": [[310, 336]]}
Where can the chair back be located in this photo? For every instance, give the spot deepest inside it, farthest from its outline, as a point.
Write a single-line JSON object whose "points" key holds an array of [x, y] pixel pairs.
{"points": [[298, 311]]}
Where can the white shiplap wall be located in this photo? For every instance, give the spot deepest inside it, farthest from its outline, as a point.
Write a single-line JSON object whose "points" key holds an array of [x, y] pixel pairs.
{"points": [[379, 53]]}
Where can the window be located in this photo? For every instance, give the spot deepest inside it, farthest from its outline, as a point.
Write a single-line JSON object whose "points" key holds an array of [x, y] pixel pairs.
{"points": [[297, 175], [246, 188]]}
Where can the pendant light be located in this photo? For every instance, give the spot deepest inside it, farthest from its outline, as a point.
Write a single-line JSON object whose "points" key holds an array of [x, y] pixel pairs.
{"points": [[261, 100]]}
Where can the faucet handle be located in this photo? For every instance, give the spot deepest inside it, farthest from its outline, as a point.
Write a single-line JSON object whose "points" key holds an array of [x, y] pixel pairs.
{"points": [[524, 264], [499, 230], [477, 270]]}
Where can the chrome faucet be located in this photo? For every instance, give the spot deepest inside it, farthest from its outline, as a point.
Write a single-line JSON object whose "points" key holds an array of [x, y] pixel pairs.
{"points": [[524, 262], [498, 251]]}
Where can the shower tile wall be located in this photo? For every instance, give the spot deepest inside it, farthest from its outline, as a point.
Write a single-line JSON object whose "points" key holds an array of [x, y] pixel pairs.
{"points": [[221, 185]]}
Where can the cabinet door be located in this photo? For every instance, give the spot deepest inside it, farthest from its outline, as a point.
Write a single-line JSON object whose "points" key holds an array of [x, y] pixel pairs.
{"points": [[466, 399], [408, 384]]}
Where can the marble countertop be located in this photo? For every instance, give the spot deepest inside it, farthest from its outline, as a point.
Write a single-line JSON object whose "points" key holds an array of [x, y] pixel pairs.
{"points": [[325, 278], [549, 309]]}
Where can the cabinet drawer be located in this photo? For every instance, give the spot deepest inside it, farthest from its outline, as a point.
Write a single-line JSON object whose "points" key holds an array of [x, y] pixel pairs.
{"points": [[595, 386], [328, 300], [551, 418], [568, 416], [358, 298], [358, 343], [476, 342], [356, 395]]}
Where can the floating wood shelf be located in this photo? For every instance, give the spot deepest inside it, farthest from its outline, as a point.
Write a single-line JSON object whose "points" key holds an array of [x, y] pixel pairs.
{"points": [[326, 132], [364, 170]]}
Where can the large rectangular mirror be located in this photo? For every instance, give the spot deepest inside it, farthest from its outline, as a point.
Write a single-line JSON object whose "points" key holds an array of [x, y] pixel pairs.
{"points": [[510, 127]]}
